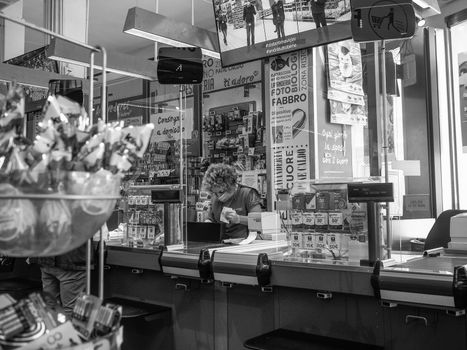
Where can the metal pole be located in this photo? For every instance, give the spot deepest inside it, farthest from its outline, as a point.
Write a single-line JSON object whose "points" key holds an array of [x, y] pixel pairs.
{"points": [[385, 143], [46, 31], [90, 114], [183, 183], [104, 118]]}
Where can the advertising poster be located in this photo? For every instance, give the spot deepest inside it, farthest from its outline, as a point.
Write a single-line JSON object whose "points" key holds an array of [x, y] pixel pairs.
{"points": [[289, 106], [252, 29], [217, 78], [462, 59], [345, 84]]}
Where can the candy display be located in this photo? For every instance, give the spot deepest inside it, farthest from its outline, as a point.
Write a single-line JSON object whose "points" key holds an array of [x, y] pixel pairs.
{"points": [[28, 324], [58, 190]]}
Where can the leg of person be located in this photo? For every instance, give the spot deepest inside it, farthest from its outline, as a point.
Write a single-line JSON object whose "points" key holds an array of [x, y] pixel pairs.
{"points": [[278, 30], [248, 29], [252, 34], [316, 19], [50, 286], [282, 29], [323, 20], [72, 284]]}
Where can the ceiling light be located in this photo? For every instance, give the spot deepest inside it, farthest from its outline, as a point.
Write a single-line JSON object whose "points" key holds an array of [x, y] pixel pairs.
{"points": [[420, 21], [155, 27]]}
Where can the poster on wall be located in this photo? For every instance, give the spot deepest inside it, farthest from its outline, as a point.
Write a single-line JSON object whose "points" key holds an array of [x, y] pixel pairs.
{"points": [[345, 92], [289, 106], [252, 29], [217, 78], [462, 59]]}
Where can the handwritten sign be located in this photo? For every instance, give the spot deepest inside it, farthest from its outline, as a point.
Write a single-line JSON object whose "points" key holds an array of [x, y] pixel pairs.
{"points": [[334, 150], [167, 125]]}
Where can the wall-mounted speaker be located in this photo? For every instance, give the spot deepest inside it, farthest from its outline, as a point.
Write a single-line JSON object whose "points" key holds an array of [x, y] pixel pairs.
{"points": [[180, 65]]}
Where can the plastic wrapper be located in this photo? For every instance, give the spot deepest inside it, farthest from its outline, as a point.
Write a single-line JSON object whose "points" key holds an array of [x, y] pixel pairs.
{"points": [[136, 138], [18, 219], [55, 224]]}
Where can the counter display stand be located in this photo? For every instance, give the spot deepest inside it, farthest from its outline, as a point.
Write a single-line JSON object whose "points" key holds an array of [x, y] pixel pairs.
{"points": [[84, 229]]}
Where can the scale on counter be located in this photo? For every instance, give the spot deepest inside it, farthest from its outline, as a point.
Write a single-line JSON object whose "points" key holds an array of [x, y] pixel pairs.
{"points": [[372, 194]]}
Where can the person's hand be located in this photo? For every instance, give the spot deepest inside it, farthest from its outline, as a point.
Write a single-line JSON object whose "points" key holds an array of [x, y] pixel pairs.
{"points": [[233, 217]]}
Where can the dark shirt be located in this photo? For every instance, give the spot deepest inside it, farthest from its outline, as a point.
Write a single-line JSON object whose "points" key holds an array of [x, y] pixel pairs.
{"points": [[278, 12], [73, 260], [317, 6], [249, 13], [244, 200]]}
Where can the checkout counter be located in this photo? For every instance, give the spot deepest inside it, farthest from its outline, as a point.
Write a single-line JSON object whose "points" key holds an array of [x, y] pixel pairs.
{"points": [[223, 295]]}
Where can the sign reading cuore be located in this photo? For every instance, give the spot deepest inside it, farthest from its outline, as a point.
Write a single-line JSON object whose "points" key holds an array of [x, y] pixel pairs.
{"points": [[289, 106]]}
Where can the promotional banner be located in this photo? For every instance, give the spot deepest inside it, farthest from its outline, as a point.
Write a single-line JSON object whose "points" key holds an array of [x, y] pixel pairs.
{"points": [[167, 125], [217, 78], [346, 84], [289, 100], [462, 59]]}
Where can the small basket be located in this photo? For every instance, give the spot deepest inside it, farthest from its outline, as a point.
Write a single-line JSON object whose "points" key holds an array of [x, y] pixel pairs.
{"points": [[38, 224]]}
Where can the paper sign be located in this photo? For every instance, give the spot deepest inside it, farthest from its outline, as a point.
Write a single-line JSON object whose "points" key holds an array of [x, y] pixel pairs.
{"points": [[409, 167]]}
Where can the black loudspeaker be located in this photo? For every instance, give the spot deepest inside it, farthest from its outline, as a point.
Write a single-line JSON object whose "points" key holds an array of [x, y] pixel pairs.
{"points": [[179, 65]]}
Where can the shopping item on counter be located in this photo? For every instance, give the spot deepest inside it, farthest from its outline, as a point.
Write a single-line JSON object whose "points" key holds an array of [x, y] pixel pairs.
{"points": [[28, 324], [85, 313], [64, 336]]}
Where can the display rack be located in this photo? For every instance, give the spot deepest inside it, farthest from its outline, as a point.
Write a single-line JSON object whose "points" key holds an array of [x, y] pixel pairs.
{"points": [[93, 51]]}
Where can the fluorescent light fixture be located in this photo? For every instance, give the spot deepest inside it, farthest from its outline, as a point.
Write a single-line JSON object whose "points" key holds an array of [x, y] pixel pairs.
{"points": [[427, 8], [118, 63], [155, 27]]}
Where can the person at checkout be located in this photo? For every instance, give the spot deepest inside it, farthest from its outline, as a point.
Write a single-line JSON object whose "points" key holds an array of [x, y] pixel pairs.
{"points": [[230, 201]]}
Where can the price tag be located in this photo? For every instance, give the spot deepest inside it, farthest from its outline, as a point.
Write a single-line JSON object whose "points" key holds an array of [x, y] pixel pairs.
{"points": [[321, 219], [296, 239], [219, 133], [308, 241], [296, 218], [163, 173], [251, 151], [228, 132], [320, 241], [309, 219], [335, 219]]}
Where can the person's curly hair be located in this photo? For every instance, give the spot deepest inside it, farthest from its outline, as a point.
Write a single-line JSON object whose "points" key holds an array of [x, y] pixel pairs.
{"points": [[219, 175]]}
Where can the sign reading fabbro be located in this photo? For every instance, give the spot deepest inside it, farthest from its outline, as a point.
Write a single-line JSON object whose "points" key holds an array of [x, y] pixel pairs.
{"points": [[289, 106], [217, 78]]}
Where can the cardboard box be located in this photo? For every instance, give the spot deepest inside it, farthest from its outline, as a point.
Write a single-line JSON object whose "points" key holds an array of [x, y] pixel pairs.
{"points": [[458, 226]]}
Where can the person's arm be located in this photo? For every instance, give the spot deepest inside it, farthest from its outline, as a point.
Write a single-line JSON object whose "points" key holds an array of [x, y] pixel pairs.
{"points": [[244, 13], [252, 205], [244, 219]]}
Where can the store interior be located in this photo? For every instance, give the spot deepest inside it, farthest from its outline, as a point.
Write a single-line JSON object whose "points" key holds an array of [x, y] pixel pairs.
{"points": [[353, 151]]}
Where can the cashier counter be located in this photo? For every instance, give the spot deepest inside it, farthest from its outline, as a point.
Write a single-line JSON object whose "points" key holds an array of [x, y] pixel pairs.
{"points": [[437, 279], [228, 263]]}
